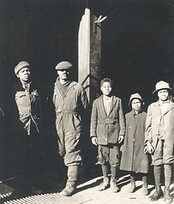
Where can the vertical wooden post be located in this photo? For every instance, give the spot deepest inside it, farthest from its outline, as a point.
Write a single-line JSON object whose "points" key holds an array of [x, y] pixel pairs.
{"points": [[89, 54], [84, 51], [95, 58]]}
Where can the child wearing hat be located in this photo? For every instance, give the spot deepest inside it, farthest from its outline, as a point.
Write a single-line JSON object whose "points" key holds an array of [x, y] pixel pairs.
{"points": [[159, 139], [133, 157], [107, 132]]}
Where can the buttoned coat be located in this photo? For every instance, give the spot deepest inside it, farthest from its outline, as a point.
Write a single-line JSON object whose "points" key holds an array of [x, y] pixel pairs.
{"points": [[133, 156], [70, 112], [107, 128], [28, 105], [158, 124]]}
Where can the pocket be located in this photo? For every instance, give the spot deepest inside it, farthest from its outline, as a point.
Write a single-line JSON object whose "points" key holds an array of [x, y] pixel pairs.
{"points": [[77, 122]]}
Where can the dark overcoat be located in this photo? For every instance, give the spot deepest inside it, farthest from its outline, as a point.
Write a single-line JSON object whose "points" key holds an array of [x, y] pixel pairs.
{"points": [[107, 128], [133, 156]]}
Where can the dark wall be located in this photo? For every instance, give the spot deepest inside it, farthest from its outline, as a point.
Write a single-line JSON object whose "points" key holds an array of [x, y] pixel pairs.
{"points": [[44, 33], [137, 44]]}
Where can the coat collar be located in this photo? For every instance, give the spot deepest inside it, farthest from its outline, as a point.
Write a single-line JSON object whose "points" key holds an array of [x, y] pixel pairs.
{"points": [[72, 84], [168, 108], [114, 100]]}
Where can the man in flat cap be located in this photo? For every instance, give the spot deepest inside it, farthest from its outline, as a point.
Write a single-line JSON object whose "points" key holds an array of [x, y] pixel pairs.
{"points": [[71, 103], [159, 139], [28, 142]]}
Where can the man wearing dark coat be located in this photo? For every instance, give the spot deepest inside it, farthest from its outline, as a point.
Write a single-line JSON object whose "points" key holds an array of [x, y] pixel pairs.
{"points": [[28, 138], [133, 158]]}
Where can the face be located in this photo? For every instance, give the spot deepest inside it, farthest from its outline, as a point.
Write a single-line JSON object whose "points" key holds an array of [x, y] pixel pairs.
{"points": [[136, 104], [106, 88], [63, 74], [24, 74], [163, 94]]}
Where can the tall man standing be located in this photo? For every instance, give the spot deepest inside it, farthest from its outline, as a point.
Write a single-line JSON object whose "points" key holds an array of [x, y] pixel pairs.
{"points": [[159, 139], [28, 138], [70, 102]]}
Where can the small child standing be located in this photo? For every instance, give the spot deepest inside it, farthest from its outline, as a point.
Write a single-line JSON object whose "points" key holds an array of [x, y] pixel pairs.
{"points": [[107, 132], [133, 158]]}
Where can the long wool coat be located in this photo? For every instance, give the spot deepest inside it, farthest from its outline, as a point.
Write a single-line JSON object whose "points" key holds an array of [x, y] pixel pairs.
{"points": [[133, 157], [156, 124], [107, 128]]}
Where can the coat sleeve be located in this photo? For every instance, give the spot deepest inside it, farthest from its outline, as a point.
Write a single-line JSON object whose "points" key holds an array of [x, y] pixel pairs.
{"points": [[54, 94], [148, 126], [121, 120], [94, 118]]}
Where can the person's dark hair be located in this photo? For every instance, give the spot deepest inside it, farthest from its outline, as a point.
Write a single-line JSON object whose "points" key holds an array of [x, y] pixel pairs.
{"points": [[106, 80]]}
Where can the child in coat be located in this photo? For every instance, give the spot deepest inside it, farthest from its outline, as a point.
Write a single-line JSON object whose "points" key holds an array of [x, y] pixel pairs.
{"points": [[133, 158], [107, 132]]}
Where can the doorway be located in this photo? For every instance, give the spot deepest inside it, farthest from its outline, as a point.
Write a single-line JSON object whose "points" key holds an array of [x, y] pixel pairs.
{"points": [[138, 46]]}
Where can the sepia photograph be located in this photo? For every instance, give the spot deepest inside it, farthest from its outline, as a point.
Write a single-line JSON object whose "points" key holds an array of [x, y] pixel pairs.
{"points": [[86, 101]]}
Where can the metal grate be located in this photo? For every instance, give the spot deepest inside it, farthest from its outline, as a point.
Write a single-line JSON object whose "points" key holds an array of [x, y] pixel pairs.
{"points": [[52, 198]]}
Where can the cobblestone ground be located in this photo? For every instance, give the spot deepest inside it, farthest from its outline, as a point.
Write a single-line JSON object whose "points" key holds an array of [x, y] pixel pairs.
{"points": [[87, 193]]}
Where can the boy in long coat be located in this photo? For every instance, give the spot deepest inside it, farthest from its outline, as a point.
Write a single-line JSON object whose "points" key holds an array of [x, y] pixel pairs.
{"points": [[71, 104], [159, 139], [107, 131], [133, 157]]}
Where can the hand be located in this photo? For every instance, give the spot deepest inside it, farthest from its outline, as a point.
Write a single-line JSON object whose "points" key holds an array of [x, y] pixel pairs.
{"points": [[120, 139], [94, 141], [149, 148]]}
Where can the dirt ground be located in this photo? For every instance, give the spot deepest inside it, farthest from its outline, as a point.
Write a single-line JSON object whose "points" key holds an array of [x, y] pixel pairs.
{"points": [[87, 193]]}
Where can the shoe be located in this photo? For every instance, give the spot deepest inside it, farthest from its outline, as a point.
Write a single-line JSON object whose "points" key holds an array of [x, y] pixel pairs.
{"points": [[167, 196], [113, 186], [132, 187], [69, 189], [104, 185], [19, 192], [34, 190], [157, 195], [145, 191]]}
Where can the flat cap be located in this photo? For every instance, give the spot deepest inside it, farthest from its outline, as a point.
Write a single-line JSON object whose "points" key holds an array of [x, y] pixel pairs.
{"points": [[63, 65], [20, 66]]}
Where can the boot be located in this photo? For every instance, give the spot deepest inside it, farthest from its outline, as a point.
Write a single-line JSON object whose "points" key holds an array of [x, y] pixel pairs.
{"points": [[157, 195], [167, 196], [71, 182], [113, 182], [113, 186], [145, 191], [132, 184], [69, 188], [168, 181], [104, 185], [144, 186], [157, 175]]}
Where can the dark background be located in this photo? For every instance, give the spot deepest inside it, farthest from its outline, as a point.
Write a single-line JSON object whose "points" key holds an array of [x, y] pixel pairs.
{"points": [[137, 51]]}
